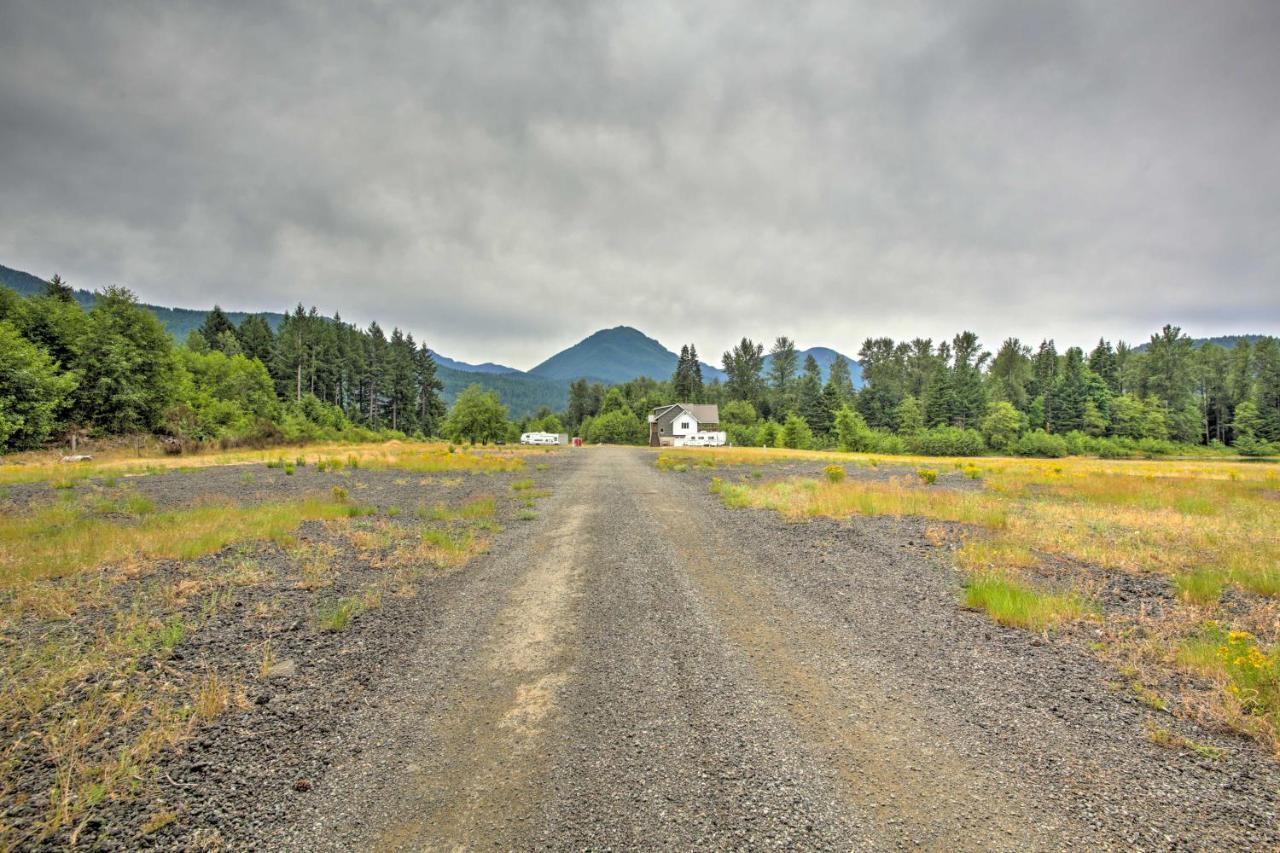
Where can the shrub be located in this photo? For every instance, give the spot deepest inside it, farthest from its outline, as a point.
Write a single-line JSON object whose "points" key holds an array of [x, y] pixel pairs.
{"points": [[947, 441], [928, 476], [834, 473], [887, 442], [852, 431], [1040, 443], [796, 434]]}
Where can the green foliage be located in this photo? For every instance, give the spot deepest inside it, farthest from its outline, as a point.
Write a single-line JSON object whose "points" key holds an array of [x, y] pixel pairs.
{"points": [[947, 441], [32, 391], [129, 372], [795, 434], [767, 434], [908, 416], [852, 432], [477, 415], [928, 476], [833, 473], [1040, 443], [738, 412], [617, 426], [1002, 425]]}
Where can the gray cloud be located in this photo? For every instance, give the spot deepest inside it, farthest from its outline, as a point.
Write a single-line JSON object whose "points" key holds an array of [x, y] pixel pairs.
{"points": [[503, 179]]}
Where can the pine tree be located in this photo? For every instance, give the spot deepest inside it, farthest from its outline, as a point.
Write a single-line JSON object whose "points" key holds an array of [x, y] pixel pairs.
{"points": [[1011, 373], [809, 401], [256, 338], [782, 374], [215, 323], [743, 366], [1103, 362], [1266, 394], [1070, 395], [431, 408], [840, 382]]}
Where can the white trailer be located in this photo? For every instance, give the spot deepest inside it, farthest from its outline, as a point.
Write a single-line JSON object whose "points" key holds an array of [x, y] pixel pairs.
{"points": [[706, 438], [539, 438]]}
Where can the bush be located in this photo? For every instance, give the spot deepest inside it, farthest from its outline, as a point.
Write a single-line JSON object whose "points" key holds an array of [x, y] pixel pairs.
{"points": [[928, 476], [1040, 443], [947, 441], [1152, 447], [852, 431], [834, 473], [796, 434], [887, 442]]}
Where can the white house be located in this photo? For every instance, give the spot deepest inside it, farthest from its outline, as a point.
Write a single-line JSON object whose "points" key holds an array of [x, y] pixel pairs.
{"points": [[685, 425]]}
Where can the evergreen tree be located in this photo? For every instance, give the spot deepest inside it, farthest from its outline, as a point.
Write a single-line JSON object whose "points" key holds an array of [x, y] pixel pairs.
{"points": [[782, 374], [256, 338], [908, 416], [399, 403], [1103, 362], [967, 388], [1169, 378], [840, 381], [884, 379], [687, 380], [1011, 373], [743, 366], [215, 323], [1266, 395], [1044, 378], [431, 410], [1071, 393], [810, 404]]}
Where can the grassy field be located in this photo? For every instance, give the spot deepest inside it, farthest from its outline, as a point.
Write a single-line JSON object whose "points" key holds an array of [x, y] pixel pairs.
{"points": [[404, 455], [1040, 540], [100, 583]]}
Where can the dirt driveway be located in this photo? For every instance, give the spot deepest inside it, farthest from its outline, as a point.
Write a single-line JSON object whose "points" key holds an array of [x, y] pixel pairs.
{"points": [[648, 669]]}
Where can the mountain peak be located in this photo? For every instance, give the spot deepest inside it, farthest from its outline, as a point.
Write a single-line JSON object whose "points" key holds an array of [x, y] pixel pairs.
{"points": [[614, 355]]}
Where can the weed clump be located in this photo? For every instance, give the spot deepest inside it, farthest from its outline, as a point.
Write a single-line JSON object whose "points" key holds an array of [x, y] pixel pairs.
{"points": [[1013, 603], [928, 476]]}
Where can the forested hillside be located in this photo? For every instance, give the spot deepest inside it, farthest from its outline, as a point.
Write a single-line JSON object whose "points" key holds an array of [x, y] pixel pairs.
{"points": [[114, 369], [179, 322]]}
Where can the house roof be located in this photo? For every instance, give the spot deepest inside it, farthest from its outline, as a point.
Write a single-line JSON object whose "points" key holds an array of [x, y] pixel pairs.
{"points": [[703, 413]]}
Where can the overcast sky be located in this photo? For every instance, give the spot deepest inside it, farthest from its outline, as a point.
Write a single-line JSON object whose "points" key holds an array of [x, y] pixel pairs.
{"points": [[502, 179]]}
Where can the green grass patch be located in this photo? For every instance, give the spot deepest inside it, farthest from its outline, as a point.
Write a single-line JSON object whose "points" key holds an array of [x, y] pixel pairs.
{"points": [[1011, 602], [61, 539], [336, 614]]}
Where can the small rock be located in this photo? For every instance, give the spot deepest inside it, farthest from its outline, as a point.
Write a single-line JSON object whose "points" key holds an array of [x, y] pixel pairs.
{"points": [[286, 668], [302, 785]]}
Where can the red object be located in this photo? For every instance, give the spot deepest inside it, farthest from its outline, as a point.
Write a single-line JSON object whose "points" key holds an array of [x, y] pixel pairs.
{"points": [[577, 442]]}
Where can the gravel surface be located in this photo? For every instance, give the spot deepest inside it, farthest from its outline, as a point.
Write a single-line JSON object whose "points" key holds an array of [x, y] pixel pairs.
{"points": [[641, 667]]}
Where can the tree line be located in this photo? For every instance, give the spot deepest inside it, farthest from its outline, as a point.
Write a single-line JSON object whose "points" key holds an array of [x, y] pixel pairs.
{"points": [[113, 369], [955, 397]]}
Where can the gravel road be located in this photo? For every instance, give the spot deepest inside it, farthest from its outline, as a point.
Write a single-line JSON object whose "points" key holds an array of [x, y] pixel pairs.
{"points": [[641, 667]]}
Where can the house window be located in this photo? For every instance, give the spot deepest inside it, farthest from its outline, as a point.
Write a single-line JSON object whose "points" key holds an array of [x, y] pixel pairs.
{"points": [[684, 425]]}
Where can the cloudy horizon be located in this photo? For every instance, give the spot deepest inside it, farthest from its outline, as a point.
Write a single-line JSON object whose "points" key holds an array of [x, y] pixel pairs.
{"points": [[504, 179]]}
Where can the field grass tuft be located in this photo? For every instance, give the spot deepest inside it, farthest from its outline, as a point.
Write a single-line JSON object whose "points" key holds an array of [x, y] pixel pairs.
{"points": [[1014, 603]]}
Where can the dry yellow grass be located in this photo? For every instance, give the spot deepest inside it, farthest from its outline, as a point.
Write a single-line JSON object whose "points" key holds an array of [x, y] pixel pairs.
{"points": [[61, 539], [415, 456]]}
